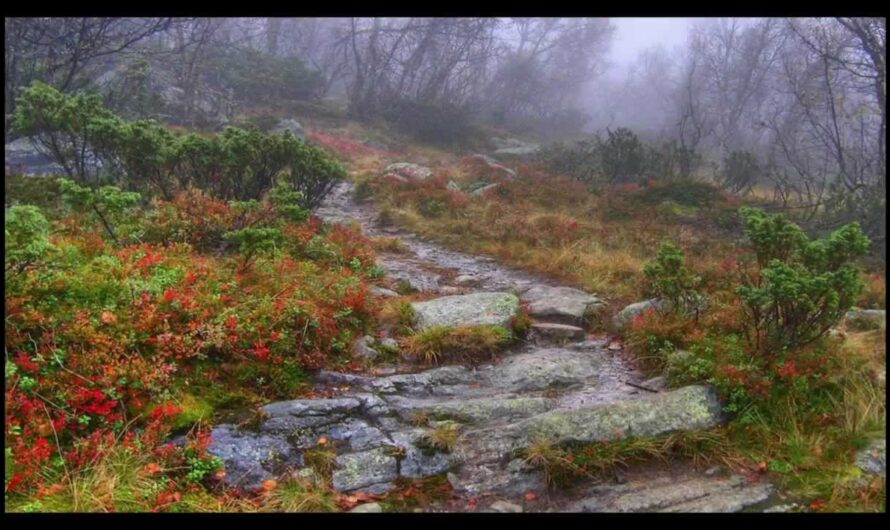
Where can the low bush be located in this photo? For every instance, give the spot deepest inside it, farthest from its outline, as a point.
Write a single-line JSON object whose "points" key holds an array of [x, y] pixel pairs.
{"points": [[92, 144], [111, 346]]}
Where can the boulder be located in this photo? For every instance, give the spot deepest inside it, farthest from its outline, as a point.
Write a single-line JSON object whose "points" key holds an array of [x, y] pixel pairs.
{"points": [[290, 125], [545, 368], [549, 333], [407, 170], [493, 164], [563, 304], [23, 157], [362, 349], [623, 317], [468, 309]]}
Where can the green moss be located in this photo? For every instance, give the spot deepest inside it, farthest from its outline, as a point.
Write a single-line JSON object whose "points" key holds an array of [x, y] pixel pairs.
{"points": [[194, 410]]}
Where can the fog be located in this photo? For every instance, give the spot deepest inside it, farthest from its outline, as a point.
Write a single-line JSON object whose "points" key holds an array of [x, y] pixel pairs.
{"points": [[800, 100]]}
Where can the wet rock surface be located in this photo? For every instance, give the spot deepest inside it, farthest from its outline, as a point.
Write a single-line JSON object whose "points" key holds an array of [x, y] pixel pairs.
{"points": [[685, 491], [564, 386], [470, 309], [22, 156], [563, 304]]}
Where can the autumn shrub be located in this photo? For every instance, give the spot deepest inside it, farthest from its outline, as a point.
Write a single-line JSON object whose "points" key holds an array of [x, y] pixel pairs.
{"points": [[106, 337]]}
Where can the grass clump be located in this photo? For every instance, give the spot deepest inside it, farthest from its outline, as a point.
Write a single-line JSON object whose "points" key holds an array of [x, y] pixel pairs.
{"points": [[459, 343], [440, 438], [300, 495]]}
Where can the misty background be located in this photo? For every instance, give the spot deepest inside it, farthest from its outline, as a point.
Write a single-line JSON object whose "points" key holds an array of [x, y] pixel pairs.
{"points": [[793, 108]]}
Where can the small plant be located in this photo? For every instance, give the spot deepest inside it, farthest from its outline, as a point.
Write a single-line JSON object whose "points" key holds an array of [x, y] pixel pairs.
{"points": [[440, 438], [297, 494], [552, 460], [321, 459], [670, 280], [27, 239]]}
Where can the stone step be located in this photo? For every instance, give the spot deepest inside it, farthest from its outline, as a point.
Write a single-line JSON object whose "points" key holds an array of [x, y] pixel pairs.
{"points": [[543, 333]]}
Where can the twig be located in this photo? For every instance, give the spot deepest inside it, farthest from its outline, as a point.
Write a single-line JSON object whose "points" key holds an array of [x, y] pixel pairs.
{"points": [[641, 387]]}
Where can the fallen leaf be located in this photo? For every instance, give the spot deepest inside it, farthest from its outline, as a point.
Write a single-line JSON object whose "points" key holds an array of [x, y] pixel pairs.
{"points": [[530, 496]]}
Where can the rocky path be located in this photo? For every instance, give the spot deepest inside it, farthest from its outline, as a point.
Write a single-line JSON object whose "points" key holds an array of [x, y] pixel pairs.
{"points": [[562, 385]]}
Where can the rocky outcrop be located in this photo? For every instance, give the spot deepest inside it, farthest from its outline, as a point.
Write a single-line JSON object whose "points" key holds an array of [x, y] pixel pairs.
{"points": [[514, 147], [23, 157], [469, 309], [688, 408], [563, 304], [409, 171], [290, 125]]}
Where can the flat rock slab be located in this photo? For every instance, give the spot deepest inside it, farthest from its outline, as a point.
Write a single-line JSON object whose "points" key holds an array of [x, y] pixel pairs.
{"points": [[550, 333], [688, 408], [666, 493], [563, 304], [546, 368], [475, 410], [468, 309]]}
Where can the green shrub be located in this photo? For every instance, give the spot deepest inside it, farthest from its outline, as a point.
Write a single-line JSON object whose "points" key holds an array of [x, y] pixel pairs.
{"points": [[800, 288], [26, 241], [236, 164], [63, 127], [670, 281], [623, 156]]}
